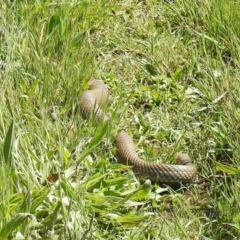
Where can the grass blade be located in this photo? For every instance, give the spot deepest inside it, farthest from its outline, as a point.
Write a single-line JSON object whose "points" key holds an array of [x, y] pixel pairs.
{"points": [[13, 224], [227, 169], [7, 148]]}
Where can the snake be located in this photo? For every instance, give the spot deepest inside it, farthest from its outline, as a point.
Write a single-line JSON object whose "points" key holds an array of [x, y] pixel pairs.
{"points": [[92, 102]]}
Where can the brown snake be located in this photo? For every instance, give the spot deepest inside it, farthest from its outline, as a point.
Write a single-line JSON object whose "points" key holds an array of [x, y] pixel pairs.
{"points": [[92, 101]]}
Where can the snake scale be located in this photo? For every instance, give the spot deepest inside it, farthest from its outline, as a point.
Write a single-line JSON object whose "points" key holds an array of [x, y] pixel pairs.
{"points": [[92, 102]]}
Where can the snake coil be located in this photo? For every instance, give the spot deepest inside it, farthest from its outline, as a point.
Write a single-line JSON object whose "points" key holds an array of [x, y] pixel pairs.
{"points": [[92, 101]]}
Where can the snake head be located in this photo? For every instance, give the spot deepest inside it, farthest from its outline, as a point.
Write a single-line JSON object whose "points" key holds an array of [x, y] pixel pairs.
{"points": [[183, 158]]}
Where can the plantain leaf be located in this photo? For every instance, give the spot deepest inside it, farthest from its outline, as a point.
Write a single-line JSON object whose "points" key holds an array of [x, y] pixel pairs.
{"points": [[13, 224], [227, 169]]}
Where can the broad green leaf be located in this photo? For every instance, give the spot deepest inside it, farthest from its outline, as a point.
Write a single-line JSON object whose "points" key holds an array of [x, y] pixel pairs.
{"points": [[131, 219], [219, 132], [27, 193], [37, 199], [119, 167], [142, 121], [35, 42], [15, 201], [151, 69], [127, 221], [115, 193], [120, 203], [7, 147], [116, 180], [98, 197], [208, 38], [100, 132], [227, 169], [53, 23], [13, 224], [155, 94], [178, 73], [69, 191], [142, 192], [52, 218], [98, 209], [94, 180], [8, 104], [77, 41], [33, 87], [145, 88], [66, 156]]}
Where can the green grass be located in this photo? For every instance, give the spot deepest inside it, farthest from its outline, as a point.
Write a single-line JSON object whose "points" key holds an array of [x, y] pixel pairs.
{"points": [[173, 71]]}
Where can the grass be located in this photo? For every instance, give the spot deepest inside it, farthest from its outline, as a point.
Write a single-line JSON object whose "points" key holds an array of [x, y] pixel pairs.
{"points": [[173, 69]]}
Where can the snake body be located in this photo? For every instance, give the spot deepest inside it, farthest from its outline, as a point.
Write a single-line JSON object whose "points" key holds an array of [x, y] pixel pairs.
{"points": [[166, 173], [93, 100], [91, 103]]}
